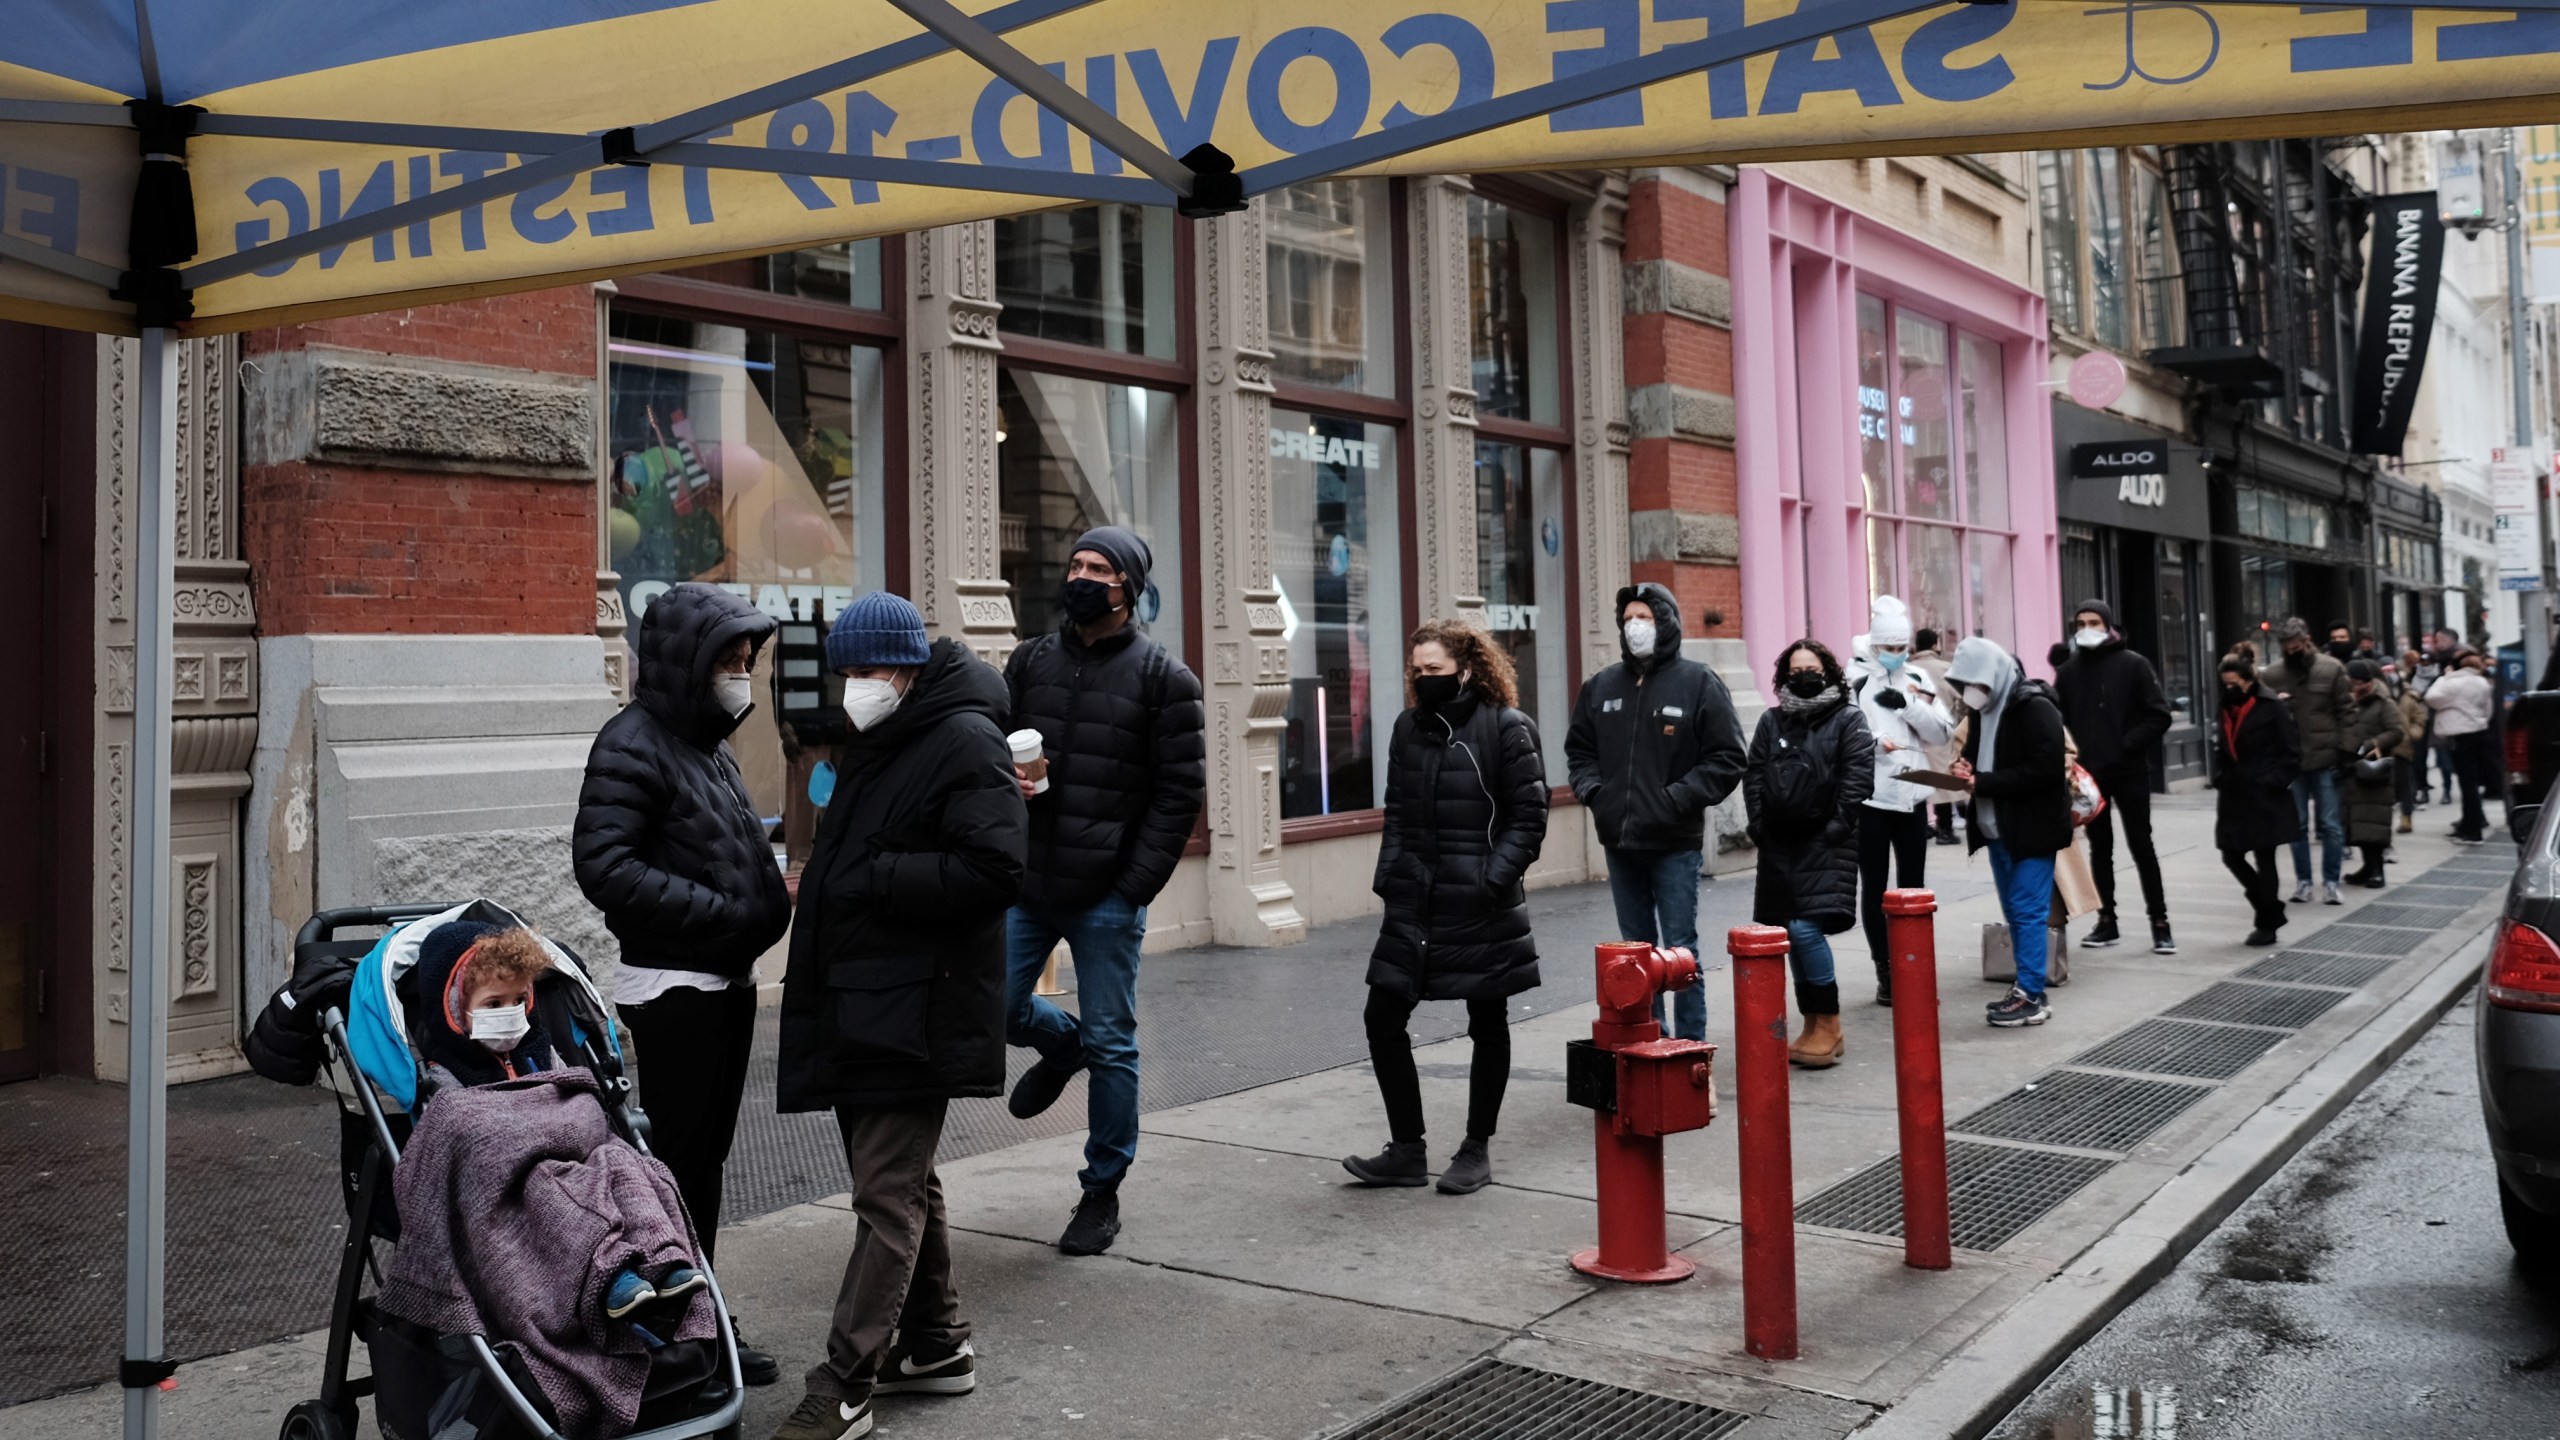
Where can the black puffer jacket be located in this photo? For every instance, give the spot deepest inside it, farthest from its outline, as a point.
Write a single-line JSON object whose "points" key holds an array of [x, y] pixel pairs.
{"points": [[1127, 768], [2030, 787], [1816, 877], [667, 843], [2253, 774], [1466, 816], [1654, 743], [895, 991], [2110, 697]]}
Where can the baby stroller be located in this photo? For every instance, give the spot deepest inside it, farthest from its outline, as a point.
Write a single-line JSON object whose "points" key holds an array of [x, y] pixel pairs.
{"points": [[342, 1013]]}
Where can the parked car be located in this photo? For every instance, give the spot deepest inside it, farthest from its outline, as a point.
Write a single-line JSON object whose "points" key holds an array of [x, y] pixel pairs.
{"points": [[2519, 1043]]}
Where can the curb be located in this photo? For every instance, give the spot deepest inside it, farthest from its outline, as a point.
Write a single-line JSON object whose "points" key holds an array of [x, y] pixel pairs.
{"points": [[1974, 1389]]}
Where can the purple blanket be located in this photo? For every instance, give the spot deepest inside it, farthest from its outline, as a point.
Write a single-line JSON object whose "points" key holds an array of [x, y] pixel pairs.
{"points": [[517, 1205]]}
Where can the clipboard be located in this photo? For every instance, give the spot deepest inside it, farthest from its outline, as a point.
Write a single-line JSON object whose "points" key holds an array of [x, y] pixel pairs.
{"points": [[1934, 779]]}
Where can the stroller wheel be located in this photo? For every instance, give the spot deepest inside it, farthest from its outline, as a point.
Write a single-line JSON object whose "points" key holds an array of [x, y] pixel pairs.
{"points": [[313, 1420]]}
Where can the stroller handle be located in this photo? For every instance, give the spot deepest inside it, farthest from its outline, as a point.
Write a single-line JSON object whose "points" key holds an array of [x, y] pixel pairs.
{"points": [[328, 923]]}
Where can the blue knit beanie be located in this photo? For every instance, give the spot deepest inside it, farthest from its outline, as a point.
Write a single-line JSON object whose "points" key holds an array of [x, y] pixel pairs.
{"points": [[878, 629]]}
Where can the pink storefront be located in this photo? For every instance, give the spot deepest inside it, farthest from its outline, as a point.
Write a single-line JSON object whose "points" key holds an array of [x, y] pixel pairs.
{"points": [[1893, 433]]}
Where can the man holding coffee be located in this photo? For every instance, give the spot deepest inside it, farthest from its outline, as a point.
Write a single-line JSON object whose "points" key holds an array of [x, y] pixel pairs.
{"points": [[1119, 721]]}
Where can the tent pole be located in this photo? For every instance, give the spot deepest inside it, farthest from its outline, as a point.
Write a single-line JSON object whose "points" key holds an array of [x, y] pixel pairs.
{"points": [[147, 962]]}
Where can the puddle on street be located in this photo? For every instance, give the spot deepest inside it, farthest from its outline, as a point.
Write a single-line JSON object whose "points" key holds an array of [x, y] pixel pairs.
{"points": [[2118, 1412]]}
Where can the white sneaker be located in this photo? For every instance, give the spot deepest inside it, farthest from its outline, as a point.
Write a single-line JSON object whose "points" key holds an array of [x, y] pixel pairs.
{"points": [[2329, 894], [2302, 893]]}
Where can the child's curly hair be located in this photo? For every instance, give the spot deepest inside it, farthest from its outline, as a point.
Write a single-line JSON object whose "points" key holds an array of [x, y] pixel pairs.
{"points": [[513, 956], [1478, 654]]}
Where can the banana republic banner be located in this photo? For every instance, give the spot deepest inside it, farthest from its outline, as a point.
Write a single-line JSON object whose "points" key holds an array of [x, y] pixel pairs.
{"points": [[2399, 313]]}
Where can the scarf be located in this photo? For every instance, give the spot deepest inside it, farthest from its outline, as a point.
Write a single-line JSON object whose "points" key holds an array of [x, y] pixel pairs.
{"points": [[1806, 710], [2233, 717]]}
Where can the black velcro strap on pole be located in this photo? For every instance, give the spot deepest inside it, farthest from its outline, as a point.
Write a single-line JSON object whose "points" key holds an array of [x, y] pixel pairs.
{"points": [[144, 1374]]}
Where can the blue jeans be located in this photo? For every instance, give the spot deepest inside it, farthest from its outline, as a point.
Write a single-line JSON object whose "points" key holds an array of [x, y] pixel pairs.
{"points": [[2026, 902], [1809, 954], [1102, 1036], [2319, 790], [1656, 892]]}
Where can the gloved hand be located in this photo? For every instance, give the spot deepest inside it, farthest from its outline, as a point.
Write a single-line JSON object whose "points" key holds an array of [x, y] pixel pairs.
{"points": [[1890, 698]]}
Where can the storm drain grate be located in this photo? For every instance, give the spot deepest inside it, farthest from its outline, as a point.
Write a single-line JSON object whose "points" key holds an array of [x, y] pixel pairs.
{"points": [[2353, 939], [1492, 1398], [2180, 1047], [2281, 1006], [1994, 1192], [2313, 967], [2091, 1112], [2410, 915]]}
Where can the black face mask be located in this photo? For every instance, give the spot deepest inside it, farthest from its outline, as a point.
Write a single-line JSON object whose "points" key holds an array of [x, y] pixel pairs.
{"points": [[1433, 692], [2297, 661], [2235, 693], [2343, 649], [1806, 684], [1085, 601]]}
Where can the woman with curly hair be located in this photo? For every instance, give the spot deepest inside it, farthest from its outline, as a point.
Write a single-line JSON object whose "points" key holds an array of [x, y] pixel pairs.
{"points": [[1811, 768], [1466, 813]]}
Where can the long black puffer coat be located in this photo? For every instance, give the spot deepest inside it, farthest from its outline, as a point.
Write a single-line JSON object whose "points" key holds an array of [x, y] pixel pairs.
{"points": [[1814, 878], [2374, 724], [2253, 805], [1120, 721], [1466, 815], [895, 991], [667, 844]]}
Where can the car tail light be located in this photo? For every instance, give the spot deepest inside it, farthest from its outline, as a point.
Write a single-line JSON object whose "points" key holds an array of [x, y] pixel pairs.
{"points": [[2524, 969], [2519, 757]]}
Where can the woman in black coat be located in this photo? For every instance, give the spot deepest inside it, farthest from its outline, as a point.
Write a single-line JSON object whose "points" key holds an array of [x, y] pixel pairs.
{"points": [[1812, 765], [2256, 756], [1466, 814], [2374, 731]]}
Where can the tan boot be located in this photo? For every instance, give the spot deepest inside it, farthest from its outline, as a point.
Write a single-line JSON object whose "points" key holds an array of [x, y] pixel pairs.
{"points": [[1822, 1044]]}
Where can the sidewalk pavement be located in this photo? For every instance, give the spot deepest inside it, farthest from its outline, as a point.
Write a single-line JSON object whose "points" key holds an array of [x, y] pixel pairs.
{"points": [[1254, 1293]]}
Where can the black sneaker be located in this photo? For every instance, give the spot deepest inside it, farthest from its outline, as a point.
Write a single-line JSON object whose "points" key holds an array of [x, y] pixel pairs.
{"points": [[1037, 1090], [1096, 1224], [1470, 1170], [824, 1417], [925, 1370], [2260, 938], [2018, 1008], [754, 1366], [2102, 935], [2162, 943], [1403, 1163], [2462, 837]]}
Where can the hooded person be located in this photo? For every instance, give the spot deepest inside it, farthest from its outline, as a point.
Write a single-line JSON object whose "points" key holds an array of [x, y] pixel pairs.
{"points": [[1654, 745], [1121, 727], [2112, 702], [2014, 764], [474, 1021], [893, 1000], [668, 844], [2375, 733], [1907, 721]]}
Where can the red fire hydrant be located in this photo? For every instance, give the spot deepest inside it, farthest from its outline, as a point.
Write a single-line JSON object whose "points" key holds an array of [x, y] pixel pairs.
{"points": [[1643, 1087]]}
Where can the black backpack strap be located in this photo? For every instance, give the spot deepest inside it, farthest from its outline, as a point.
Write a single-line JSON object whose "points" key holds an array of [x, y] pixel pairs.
{"points": [[1152, 678]]}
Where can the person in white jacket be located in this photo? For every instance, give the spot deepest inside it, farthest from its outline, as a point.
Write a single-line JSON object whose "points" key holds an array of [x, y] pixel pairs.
{"points": [[1908, 720], [2463, 699]]}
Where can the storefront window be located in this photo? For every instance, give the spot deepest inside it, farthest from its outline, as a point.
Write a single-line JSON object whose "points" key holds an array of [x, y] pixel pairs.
{"points": [[2058, 191], [1937, 579], [1337, 566], [751, 460], [1933, 446], [1920, 418], [1994, 612], [1511, 280], [1986, 434], [1875, 410], [1332, 288], [846, 273], [1099, 275], [2177, 647], [1520, 568], [1075, 453]]}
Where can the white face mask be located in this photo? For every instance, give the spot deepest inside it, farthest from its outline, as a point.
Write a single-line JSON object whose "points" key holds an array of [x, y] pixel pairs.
{"points": [[868, 702], [735, 693], [500, 1028], [1978, 696], [1640, 637], [2090, 639]]}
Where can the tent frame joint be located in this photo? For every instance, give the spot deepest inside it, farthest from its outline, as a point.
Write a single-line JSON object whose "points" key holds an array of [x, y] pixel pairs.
{"points": [[1216, 188], [159, 297], [145, 1374], [622, 147]]}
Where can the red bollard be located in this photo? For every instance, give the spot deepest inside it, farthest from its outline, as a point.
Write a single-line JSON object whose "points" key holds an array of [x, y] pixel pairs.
{"points": [[1768, 1157], [1642, 1087], [1927, 1236]]}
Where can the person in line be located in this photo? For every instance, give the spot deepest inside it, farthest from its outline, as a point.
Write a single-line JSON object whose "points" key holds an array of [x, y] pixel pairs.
{"points": [[2021, 812], [2374, 732], [893, 1004], [2111, 701], [668, 846], [2341, 645], [1121, 728], [1906, 721], [1466, 815], [1654, 745], [2314, 686], [1812, 767], [2463, 699], [2412, 759], [2256, 759], [2441, 660], [1942, 803]]}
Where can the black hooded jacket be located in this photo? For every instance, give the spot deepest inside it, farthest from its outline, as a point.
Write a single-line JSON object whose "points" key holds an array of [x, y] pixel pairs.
{"points": [[1121, 723], [2110, 697], [1654, 743], [1466, 815], [439, 1025], [667, 844], [895, 991]]}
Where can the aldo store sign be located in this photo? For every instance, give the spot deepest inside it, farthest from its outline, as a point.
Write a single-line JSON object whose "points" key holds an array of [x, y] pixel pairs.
{"points": [[2111, 472]]}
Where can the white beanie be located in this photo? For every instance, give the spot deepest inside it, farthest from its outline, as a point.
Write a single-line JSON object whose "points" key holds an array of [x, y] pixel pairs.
{"points": [[1889, 622]]}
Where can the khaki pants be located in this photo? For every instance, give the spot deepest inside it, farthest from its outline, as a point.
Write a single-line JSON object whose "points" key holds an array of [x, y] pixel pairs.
{"points": [[899, 1276]]}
